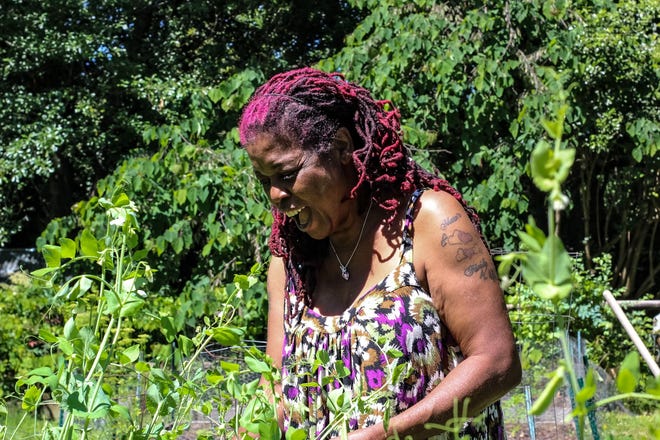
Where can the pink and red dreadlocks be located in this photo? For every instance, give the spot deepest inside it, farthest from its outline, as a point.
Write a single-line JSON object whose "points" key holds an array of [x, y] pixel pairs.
{"points": [[307, 107]]}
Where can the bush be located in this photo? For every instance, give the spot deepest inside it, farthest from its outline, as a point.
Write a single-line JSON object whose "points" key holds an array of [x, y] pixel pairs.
{"points": [[606, 341], [25, 309]]}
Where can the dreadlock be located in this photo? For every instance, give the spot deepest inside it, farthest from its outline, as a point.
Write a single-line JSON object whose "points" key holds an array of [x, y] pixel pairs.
{"points": [[307, 107]]}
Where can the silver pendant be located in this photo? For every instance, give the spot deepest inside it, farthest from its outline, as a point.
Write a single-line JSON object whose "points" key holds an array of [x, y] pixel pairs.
{"points": [[344, 272]]}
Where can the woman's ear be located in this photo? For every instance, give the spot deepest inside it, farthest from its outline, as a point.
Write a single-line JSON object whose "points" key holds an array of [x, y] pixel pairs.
{"points": [[344, 143]]}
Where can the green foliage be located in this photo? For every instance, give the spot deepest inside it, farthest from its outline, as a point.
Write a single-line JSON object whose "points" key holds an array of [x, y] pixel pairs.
{"points": [[80, 80], [473, 84], [203, 218], [26, 310], [105, 301], [536, 319], [545, 271]]}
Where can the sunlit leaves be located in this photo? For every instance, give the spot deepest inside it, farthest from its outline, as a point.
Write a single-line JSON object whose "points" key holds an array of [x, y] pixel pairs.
{"points": [[550, 167]]}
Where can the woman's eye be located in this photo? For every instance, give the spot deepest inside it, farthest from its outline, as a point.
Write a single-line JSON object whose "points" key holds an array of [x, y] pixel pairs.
{"points": [[289, 177]]}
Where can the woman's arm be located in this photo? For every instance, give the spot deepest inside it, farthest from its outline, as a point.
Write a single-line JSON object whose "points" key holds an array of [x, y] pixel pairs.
{"points": [[453, 263], [276, 282]]}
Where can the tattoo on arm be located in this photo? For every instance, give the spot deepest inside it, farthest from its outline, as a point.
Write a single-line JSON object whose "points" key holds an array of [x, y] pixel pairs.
{"points": [[456, 237], [466, 253], [485, 271], [448, 221]]}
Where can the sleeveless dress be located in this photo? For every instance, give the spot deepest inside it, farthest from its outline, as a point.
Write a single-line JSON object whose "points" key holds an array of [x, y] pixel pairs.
{"points": [[386, 352]]}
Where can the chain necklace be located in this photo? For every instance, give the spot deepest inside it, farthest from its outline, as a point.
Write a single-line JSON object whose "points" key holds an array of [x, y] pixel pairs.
{"points": [[344, 267]]}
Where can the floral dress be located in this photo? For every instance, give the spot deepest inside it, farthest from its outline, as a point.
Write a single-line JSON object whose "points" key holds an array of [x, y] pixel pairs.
{"points": [[386, 352]]}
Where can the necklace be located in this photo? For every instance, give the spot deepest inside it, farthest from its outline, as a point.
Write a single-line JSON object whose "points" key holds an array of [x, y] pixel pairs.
{"points": [[344, 267]]}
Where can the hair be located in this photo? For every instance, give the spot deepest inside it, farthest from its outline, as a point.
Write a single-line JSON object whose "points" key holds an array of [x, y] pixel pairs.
{"points": [[306, 107]]}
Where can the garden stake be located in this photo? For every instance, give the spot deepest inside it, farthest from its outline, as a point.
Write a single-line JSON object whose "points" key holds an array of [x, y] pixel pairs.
{"points": [[632, 333]]}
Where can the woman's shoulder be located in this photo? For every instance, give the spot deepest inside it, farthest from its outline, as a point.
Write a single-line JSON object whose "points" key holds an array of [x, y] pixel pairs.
{"points": [[441, 223], [439, 208]]}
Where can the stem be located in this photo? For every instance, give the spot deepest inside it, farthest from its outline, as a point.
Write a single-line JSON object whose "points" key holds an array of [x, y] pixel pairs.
{"points": [[155, 416], [611, 399], [551, 232], [103, 343]]}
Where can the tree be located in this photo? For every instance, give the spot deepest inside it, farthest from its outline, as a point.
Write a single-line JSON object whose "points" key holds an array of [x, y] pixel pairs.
{"points": [[150, 99], [474, 82], [82, 80]]}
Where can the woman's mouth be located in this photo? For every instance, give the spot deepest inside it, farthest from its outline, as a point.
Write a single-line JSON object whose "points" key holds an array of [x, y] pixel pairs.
{"points": [[300, 216]]}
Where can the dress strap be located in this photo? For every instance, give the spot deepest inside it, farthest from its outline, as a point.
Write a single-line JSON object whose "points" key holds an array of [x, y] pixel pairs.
{"points": [[406, 246]]}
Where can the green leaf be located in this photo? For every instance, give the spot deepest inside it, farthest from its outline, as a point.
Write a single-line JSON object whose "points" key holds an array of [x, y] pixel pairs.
{"points": [[31, 399], [132, 304], [256, 365], [167, 328], [52, 255], [588, 391], [129, 355], [549, 271], [77, 402], [295, 434], [120, 200], [529, 242], [120, 411], [80, 287], [186, 345], [550, 167], [269, 430], [216, 94], [88, 244], [323, 357], [44, 271], [228, 336], [230, 366], [547, 395], [112, 302], [41, 371], [142, 367], [47, 336], [214, 378], [68, 248], [553, 128], [70, 330], [626, 380]]}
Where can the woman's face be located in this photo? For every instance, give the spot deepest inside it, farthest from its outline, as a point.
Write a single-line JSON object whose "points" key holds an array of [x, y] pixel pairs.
{"points": [[311, 189]]}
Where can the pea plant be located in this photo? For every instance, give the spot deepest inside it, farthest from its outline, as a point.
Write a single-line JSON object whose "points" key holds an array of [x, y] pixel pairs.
{"points": [[545, 266], [105, 282]]}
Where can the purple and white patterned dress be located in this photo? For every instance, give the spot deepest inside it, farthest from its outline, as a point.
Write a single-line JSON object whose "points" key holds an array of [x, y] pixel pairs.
{"points": [[386, 352]]}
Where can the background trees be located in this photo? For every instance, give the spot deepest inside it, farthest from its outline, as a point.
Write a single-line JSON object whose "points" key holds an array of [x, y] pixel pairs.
{"points": [[81, 81], [473, 81], [147, 94]]}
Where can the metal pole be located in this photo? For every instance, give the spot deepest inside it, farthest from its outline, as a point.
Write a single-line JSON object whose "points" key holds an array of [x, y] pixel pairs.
{"points": [[646, 355], [530, 418]]}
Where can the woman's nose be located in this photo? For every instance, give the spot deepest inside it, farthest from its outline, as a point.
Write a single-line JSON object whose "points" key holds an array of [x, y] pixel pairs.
{"points": [[277, 194]]}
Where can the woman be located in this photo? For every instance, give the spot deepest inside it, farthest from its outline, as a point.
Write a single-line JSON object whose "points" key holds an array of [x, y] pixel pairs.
{"points": [[385, 312]]}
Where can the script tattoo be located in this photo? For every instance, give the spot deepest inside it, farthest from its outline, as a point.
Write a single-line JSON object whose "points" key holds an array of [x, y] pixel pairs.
{"points": [[456, 237], [448, 221], [485, 272], [466, 253]]}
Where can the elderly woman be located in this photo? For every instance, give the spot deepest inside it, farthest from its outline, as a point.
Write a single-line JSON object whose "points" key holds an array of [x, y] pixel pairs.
{"points": [[381, 289]]}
